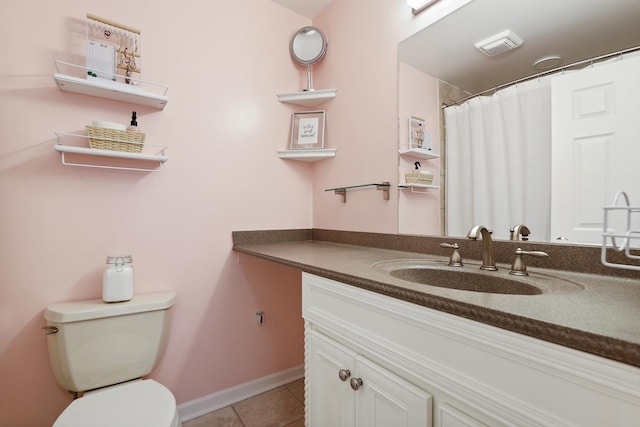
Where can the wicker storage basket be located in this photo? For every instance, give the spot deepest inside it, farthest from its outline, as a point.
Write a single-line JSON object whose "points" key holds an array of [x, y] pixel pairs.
{"points": [[115, 140], [418, 178]]}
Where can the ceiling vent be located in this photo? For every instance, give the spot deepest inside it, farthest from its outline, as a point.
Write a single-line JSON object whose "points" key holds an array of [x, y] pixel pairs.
{"points": [[499, 43]]}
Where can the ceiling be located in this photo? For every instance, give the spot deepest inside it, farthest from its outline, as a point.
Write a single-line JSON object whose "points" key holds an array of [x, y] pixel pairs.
{"points": [[574, 29], [308, 8]]}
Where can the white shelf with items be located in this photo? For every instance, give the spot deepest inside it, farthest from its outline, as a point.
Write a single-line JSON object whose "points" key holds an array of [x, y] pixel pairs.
{"points": [[419, 188], [418, 153], [310, 98], [310, 156], [103, 88], [150, 153], [625, 236]]}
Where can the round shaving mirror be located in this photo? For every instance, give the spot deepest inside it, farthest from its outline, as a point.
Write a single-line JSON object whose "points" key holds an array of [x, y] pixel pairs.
{"points": [[308, 46]]}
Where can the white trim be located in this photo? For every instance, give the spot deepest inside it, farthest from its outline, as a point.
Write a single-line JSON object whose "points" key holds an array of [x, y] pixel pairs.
{"points": [[214, 401]]}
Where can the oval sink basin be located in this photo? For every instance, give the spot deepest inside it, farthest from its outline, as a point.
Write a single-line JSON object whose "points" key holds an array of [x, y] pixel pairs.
{"points": [[466, 281], [471, 278]]}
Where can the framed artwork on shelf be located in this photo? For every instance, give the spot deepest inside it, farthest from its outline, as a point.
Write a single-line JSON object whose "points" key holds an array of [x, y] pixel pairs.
{"points": [[418, 136], [307, 130]]}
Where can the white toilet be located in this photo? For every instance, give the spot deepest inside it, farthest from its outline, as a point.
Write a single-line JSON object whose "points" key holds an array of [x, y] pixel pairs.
{"points": [[104, 349]]}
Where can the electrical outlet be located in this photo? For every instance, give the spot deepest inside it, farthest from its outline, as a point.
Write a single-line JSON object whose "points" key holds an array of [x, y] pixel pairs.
{"points": [[259, 317]]}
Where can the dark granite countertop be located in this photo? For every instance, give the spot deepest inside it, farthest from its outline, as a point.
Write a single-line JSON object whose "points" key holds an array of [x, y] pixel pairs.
{"points": [[598, 314]]}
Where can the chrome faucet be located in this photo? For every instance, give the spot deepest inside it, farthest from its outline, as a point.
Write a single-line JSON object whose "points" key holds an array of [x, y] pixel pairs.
{"points": [[488, 254], [518, 230]]}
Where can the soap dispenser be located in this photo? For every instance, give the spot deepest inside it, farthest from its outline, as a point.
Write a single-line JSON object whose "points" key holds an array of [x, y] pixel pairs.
{"points": [[133, 127]]}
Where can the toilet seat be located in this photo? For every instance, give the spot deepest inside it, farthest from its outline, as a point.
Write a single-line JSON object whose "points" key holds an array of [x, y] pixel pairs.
{"points": [[141, 403]]}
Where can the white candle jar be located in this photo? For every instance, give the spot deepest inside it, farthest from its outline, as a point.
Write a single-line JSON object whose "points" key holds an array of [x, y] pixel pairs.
{"points": [[117, 280]]}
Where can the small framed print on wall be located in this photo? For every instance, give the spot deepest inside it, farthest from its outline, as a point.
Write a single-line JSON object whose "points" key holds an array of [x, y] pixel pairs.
{"points": [[307, 130], [418, 136]]}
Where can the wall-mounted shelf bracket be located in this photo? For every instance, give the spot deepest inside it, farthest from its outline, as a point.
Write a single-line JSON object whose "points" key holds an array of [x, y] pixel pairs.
{"points": [[382, 186], [342, 192]]}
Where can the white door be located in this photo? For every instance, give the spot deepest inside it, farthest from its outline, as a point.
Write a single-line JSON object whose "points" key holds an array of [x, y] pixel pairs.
{"points": [[331, 400], [595, 146], [385, 400]]}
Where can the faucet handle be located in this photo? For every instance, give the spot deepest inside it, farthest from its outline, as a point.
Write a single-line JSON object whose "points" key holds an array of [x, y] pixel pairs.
{"points": [[456, 259], [518, 268]]}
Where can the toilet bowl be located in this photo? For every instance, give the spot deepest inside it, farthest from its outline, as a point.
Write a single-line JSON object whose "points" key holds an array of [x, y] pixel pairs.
{"points": [[104, 350], [141, 403]]}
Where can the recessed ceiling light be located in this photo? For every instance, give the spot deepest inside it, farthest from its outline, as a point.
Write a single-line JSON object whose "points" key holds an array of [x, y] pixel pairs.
{"points": [[547, 62], [499, 43]]}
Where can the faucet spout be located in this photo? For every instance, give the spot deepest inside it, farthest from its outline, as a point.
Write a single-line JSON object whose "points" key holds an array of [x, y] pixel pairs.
{"points": [[519, 230], [488, 253]]}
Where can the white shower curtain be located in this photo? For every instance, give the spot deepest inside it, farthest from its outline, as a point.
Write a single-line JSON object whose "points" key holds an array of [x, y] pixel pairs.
{"points": [[498, 154]]}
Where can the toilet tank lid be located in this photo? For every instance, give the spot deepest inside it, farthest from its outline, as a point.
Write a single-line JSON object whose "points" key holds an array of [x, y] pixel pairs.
{"points": [[77, 311]]}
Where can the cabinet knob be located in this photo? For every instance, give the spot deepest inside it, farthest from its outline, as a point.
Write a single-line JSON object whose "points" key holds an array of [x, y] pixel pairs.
{"points": [[356, 383], [344, 374]]}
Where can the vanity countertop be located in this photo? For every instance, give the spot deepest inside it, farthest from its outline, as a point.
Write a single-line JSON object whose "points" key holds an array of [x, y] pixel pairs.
{"points": [[602, 316]]}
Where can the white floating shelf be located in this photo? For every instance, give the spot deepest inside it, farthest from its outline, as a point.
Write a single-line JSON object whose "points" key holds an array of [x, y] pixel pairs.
{"points": [[418, 188], [110, 153], [310, 156], [310, 98], [419, 153], [86, 87], [109, 90], [158, 156]]}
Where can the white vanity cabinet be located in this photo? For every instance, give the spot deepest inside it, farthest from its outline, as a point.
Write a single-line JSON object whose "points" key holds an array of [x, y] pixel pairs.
{"points": [[422, 367], [348, 390]]}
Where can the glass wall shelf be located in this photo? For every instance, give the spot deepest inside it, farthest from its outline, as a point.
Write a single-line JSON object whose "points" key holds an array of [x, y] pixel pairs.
{"points": [[342, 191]]}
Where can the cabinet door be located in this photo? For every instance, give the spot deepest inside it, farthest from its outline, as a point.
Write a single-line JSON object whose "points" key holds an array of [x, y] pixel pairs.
{"points": [[331, 400], [385, 399]]}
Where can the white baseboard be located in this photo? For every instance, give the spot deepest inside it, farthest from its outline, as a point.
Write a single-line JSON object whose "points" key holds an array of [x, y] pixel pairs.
{"points": [[214, 401]]}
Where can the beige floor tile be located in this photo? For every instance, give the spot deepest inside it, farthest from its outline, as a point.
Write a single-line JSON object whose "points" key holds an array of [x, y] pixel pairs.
{"points": [[297, 388], [275, 408], [299, 423], [225, 417]]}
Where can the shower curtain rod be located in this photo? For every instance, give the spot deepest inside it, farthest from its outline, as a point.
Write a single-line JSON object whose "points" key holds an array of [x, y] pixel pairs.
{"points": [[544, 73]]}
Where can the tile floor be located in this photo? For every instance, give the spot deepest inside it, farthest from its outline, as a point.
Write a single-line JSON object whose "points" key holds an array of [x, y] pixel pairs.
{"points": [[280, 407]]}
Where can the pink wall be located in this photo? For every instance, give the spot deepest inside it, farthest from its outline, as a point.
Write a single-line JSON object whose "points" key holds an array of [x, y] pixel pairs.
{"points": [[361, 63], [419, 211], [223, 64]]}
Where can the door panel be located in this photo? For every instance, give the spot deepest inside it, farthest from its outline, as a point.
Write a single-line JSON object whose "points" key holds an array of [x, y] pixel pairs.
{"points": [[387, 400], [332, 400], [595, 146]]}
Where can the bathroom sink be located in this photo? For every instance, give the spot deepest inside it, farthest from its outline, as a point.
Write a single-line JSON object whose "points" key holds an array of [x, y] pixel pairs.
{"points": [[471, 278]]}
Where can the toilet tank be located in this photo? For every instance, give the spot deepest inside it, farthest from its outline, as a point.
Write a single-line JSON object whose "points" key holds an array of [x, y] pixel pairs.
{"points": [[99, 344]]}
